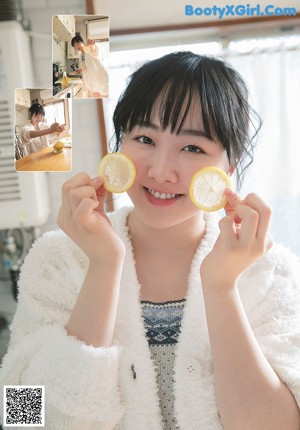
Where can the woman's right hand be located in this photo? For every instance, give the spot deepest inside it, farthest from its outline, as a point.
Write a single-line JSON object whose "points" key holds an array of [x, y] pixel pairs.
{"points": [[90, 42], [82, 218], [56, 128]]}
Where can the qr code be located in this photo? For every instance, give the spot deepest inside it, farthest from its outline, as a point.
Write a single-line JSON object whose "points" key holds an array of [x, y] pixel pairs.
{"points": [[24, 405]]}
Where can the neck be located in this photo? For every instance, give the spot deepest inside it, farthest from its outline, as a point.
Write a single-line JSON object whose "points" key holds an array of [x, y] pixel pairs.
{"points": [[185, 235]]}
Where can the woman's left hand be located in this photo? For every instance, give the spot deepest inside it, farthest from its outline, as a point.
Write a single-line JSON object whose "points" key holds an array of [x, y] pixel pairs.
{"points": [[243, 239]]}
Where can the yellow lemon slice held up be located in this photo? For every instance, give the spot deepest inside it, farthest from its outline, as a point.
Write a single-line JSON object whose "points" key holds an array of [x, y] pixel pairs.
{"points": [[207, 188], [118, 172]]}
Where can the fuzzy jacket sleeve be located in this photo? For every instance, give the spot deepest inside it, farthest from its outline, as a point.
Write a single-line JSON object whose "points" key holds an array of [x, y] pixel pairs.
{"points": [[25, 130], [270, 290], [81, 389]]}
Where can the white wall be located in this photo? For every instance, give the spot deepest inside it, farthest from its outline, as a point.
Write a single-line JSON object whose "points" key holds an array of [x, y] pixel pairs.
{"points": [[59, 52], [21, 115], [144, 13], [86, 144]]}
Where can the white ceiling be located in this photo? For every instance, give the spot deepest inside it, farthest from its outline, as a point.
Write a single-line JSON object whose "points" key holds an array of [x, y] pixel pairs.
{"points": [[125, 14]]}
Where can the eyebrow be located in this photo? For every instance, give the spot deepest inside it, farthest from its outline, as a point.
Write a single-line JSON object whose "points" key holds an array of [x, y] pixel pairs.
{"points": [[183, 131]]}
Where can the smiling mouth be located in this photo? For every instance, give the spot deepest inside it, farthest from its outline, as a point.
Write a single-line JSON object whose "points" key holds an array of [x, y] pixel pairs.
{"points": [[162, 196]]}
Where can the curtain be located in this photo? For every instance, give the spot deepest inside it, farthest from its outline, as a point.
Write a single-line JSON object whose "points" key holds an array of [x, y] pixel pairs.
{"points": [[55, 112], [273, 77]]}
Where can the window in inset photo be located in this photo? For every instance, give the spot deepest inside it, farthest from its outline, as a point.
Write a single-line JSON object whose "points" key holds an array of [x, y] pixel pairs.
{"points": [[43, 131], [80, 50]]}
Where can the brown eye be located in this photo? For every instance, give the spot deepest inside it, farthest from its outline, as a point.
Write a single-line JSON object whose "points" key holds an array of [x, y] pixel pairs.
{"points": [[145, 139], [193, 148]]}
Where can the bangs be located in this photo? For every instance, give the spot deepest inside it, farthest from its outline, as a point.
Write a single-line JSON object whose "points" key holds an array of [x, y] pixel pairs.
{"points": [[36, 109], [169, 85], [173, 102], [41, 111]]}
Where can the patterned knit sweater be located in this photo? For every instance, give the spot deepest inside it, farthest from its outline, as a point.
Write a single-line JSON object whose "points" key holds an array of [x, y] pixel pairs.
{"points": [[162, 323]]}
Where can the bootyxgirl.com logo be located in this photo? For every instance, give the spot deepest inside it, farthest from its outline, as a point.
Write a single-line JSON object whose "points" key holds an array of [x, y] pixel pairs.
{"points": [[240, 10]]}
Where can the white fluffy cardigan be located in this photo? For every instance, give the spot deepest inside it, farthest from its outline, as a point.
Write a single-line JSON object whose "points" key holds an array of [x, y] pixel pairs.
{"points": [[88, 388]]}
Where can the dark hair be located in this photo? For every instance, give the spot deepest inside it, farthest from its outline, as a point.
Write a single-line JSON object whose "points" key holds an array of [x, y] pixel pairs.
{"points": [[76, 39], [179, 77], [37, 108]]}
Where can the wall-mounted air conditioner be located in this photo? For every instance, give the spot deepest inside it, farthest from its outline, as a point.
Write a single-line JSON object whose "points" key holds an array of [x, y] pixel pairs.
{"points": [[24, 199]]}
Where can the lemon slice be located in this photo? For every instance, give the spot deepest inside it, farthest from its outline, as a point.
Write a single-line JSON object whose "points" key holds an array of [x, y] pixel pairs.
{"points": [[207, 188], [118, 172]]}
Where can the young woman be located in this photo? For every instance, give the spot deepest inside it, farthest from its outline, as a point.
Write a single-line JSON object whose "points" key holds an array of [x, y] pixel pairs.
{"points": [[153, 317], [34, 132], [94, 73]]}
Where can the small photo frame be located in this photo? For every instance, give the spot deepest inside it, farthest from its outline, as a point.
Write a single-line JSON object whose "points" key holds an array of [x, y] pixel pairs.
{"points": [[80, 54], [43, 131]]}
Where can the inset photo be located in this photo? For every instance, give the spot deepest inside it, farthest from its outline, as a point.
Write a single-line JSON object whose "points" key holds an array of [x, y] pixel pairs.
{"points": [[43, 131], [80, 53]]}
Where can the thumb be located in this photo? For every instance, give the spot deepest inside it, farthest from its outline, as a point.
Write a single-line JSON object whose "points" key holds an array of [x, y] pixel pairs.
{"points": [[233, 200], [101, 192]]}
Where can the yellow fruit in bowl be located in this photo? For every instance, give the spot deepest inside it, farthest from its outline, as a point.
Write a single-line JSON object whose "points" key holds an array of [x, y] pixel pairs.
{"points": [[58, 147]]}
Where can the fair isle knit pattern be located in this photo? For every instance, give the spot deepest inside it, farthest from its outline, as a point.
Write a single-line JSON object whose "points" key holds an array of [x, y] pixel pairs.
{"points": [[162, 324]]}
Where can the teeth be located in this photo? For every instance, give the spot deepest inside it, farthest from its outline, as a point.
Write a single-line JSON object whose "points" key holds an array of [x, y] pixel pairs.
{"points": [[162, 196]]}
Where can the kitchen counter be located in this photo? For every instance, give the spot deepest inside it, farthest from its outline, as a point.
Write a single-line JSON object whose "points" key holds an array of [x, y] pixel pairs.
{"points": [[73, 88], [45, 160]]}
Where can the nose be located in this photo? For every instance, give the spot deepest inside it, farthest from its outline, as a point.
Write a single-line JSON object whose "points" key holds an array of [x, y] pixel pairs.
{"points": [[163, 168]]}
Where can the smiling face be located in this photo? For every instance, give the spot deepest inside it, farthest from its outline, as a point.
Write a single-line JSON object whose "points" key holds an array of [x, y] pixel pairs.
{"points": [[165, 162], [36, 118], [179, 77], [78, 46]]}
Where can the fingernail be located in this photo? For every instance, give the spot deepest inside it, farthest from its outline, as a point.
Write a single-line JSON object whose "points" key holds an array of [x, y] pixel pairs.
{"points": [[97, 180], [229, 191]]}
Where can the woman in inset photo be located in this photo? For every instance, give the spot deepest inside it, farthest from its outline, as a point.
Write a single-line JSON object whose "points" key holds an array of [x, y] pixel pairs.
{"points": [[34, 132], [94, 73]]}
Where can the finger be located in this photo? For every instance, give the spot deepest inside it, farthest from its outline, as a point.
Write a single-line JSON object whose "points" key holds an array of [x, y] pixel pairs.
{"points": [[264, 211], [232, 197], [78, 180], [227, 229], [101, 192], [84, 215], [233, 200], [76, 195], [249, 224], [96, 182]]}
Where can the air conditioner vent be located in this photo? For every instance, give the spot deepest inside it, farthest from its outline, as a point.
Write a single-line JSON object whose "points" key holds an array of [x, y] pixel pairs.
{"points": [[24, 197], [9, 179]]}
